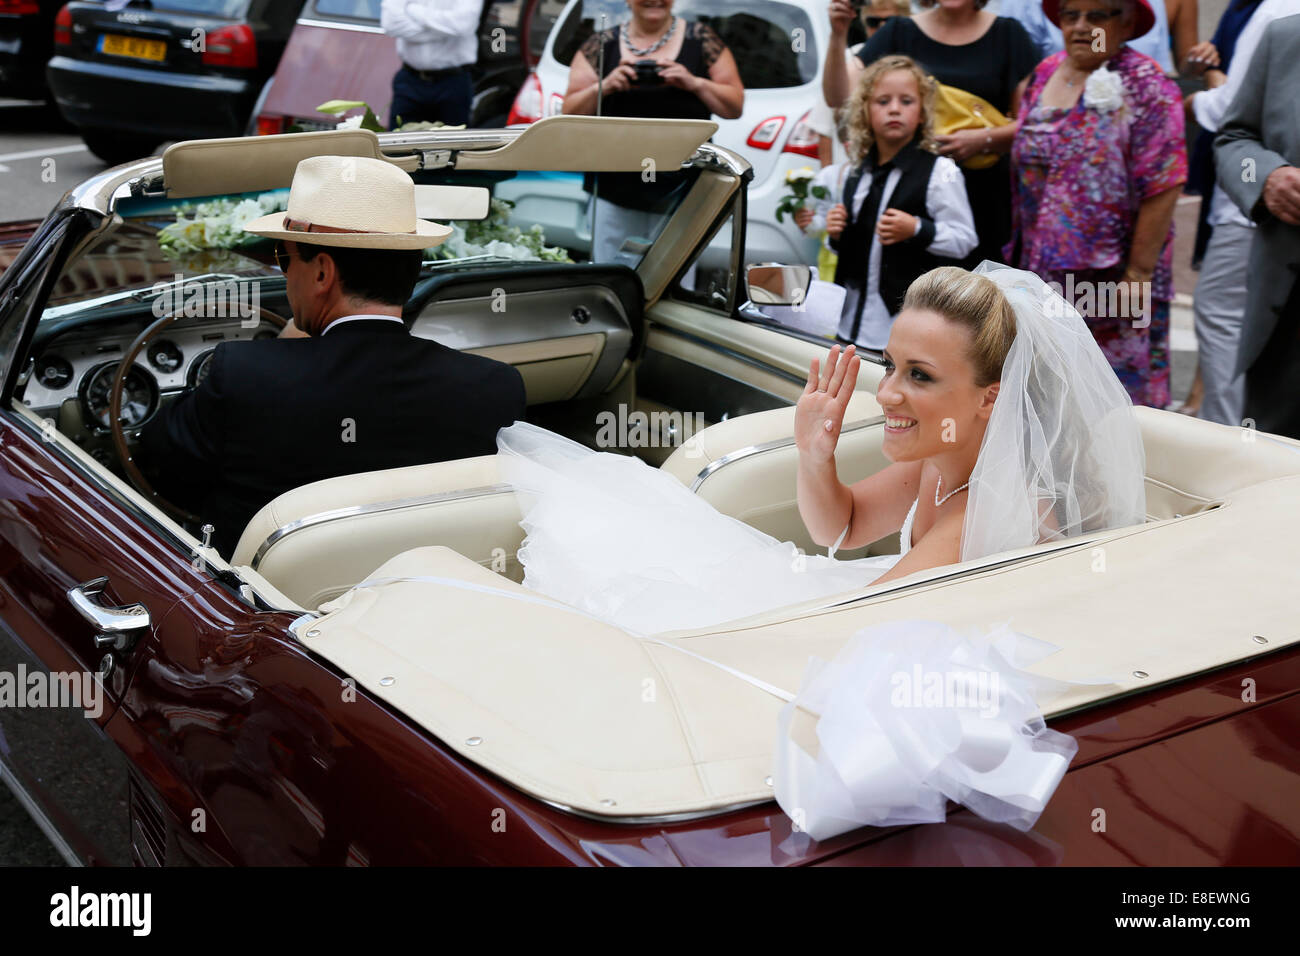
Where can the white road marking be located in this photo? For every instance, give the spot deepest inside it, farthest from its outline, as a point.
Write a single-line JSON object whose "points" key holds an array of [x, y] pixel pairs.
{"points": [[42, 153]]}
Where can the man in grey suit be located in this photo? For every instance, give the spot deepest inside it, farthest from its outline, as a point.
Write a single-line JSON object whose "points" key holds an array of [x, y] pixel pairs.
{"points": [[1257, 152]]}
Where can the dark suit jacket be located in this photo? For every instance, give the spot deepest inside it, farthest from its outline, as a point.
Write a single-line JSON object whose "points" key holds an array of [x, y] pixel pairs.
{"points": [[1261, 132], [278, 413]]}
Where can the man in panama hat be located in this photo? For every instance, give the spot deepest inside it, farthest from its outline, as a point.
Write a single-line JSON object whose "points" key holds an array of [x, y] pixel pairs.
{"points": [[355, 391]]}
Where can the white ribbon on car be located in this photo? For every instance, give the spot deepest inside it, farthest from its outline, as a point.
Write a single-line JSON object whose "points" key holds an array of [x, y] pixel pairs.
{"points": [[907, 716]]}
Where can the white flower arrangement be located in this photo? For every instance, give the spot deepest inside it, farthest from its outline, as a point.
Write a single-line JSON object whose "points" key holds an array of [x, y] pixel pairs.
{"points": [[1104, 90], [217, 224]]}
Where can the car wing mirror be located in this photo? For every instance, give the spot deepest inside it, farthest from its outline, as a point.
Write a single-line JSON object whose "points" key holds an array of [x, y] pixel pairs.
{"points": [[769, 283], [792, 296]]}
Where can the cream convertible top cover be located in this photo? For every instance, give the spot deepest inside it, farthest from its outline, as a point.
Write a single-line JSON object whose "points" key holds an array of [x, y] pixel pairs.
{"points": [[588, 717]]}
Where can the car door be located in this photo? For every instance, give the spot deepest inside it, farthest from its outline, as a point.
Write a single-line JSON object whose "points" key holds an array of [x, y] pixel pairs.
{"points": [[83, 580]]}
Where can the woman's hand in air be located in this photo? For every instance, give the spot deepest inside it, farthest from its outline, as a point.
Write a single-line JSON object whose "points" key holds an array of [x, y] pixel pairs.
{"points": [[836, 220], [820, 413], [802, 217], [676, 74]]}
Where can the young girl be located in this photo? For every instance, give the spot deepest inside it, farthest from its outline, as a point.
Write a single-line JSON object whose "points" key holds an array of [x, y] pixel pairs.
{"points": [[909, 211]]}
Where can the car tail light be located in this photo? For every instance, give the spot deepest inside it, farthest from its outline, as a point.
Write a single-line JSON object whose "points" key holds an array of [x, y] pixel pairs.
{"points": [[766, 132], [231, 46], [270, 125], [19, 7], [527, 107], [63, 27], [803, 138]]}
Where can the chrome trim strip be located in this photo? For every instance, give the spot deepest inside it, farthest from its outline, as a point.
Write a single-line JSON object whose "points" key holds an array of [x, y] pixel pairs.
{"points": [[749, 450], [377, 507], [38, 815], [330, 25], [652, 819]]}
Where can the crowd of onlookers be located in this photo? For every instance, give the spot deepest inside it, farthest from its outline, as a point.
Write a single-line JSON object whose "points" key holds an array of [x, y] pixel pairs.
{"points": [[1051, 137]]}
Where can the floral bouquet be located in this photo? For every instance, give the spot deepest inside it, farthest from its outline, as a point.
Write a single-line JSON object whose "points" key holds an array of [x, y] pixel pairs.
{"points": [[798, 180], [496, 237], [216, 224]]}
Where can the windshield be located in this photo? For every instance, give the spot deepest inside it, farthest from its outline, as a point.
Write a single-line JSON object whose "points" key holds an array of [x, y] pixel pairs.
{"points": [[758, 33], [352, 9], [216, 8], [534, 216]]}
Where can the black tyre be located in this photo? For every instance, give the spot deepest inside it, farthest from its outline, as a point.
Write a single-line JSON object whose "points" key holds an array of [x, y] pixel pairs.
{"points": [[116, 148]]}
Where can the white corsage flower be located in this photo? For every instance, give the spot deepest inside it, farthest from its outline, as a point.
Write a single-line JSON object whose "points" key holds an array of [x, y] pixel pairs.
{"points": [[1104, 90]]}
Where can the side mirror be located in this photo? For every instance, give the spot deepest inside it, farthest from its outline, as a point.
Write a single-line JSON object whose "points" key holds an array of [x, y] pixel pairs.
{"points": [[769, 283]]}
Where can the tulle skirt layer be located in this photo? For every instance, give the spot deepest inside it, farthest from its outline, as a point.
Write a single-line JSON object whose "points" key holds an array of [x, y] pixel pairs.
{"points": [[630, 544]]}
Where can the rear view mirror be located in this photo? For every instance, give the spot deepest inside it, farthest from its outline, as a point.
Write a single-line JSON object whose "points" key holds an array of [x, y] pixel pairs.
{"points": [[774, 284], [444, 203]]}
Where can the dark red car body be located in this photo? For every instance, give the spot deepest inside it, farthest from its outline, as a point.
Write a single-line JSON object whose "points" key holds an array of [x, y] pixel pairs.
{"points": [[225, 741]]}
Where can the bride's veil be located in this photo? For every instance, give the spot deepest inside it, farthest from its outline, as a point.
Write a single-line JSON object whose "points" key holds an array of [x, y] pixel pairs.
{"points": [[1062, 453]]}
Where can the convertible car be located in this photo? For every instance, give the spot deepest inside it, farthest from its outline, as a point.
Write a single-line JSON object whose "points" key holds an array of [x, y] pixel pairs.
{"points": [[263, 709]]}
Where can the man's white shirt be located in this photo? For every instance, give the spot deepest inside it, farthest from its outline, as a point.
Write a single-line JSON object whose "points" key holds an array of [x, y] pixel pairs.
{"points": [[433, 34], [364, 317]]}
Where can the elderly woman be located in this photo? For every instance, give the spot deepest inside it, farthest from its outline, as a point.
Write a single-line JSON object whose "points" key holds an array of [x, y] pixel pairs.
{"points": [[1098, 164], [685, 72]]}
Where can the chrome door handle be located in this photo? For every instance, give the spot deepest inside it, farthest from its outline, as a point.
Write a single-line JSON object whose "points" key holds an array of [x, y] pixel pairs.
{"points": [[113, 623]]}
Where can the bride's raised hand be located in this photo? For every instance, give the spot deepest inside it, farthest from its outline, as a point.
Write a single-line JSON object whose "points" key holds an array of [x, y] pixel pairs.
{"points": [[819, 415]]}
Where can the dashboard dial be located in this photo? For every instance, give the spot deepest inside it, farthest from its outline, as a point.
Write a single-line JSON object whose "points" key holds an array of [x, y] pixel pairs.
{"points": [[199, 370], [53, 372], [165, 356], [139, 396]]}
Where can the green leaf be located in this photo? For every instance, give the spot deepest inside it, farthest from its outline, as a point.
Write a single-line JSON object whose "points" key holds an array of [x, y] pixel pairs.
{"points": [[820, 192], [371, 123], [341, 106]]}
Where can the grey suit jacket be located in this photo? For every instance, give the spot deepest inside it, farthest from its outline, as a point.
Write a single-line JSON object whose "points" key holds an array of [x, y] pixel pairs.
{"points": [[1260, 132]]}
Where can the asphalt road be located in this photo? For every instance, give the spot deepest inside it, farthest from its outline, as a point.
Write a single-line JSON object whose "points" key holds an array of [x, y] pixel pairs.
{"points": [[40, 160]]}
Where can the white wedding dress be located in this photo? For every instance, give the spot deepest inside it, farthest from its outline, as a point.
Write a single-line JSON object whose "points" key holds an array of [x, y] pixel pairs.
{"points": [[630, 544]]}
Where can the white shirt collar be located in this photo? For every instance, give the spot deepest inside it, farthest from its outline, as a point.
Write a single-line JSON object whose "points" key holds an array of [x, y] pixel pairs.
{"points": [[360, 318]]}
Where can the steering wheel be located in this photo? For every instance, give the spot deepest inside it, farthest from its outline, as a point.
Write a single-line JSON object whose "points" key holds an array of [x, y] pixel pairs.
{"points": [[133, 472]]}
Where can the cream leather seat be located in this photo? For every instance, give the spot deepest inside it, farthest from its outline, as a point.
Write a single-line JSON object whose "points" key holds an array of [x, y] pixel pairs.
{"points": [[315, 542]]}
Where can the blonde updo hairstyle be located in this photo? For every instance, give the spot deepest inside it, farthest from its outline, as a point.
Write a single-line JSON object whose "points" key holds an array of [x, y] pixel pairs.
{"points": [[975, 302], [857, 116]]}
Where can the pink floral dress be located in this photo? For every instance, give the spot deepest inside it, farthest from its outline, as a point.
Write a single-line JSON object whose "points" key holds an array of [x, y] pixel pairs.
{"points": [[1079, 175]]}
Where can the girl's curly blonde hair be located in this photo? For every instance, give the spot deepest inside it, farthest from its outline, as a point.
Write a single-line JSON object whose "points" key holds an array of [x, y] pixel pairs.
{"points": [[857, 111]]}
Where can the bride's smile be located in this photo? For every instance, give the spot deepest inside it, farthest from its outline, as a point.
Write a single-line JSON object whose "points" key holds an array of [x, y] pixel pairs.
{"points": [[933, 406]]}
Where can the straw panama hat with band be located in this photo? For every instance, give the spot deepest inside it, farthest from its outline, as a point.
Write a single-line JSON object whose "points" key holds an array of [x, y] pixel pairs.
{"points": [[1144, 18], [353, 202]]}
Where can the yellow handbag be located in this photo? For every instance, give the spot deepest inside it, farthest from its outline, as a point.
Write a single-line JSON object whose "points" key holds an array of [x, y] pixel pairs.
{"points": [[956, 109]]}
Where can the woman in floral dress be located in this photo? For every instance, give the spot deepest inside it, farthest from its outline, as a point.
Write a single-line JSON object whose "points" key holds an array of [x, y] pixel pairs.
{"points": [[1098, 164]]}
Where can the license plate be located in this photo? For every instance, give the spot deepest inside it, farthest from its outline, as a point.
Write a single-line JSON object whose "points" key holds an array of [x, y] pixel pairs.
{"points": [[134, 47]]}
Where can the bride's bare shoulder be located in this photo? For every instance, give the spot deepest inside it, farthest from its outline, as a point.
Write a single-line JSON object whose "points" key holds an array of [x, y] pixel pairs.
{"points": [[939, 546], [881, 502]]}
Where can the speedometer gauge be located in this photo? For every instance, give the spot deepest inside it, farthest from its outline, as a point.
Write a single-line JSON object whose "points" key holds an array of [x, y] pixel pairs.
{"points": [[139, 396]]}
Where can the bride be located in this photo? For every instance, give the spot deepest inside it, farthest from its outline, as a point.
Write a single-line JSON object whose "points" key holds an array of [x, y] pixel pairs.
{"points": [[1005, 426]]}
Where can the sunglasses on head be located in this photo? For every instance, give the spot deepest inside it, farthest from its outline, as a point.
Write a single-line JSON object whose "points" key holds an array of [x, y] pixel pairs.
{"points": [[1094, 17], [874, 22]]}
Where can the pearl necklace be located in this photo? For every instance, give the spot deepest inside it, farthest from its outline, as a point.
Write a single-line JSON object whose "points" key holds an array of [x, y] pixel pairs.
{"points": [[672, 25], [939, 484]]}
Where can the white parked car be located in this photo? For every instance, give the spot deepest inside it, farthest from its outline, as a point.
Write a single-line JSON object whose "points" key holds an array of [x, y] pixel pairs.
{"points": [[778, 45]]}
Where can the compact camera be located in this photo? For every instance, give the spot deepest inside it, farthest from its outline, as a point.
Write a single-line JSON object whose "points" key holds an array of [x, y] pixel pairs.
{"points": [[647, 73]]}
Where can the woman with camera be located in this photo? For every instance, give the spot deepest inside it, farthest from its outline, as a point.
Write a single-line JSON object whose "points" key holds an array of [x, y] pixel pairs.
{"points": [[655, 65]]}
